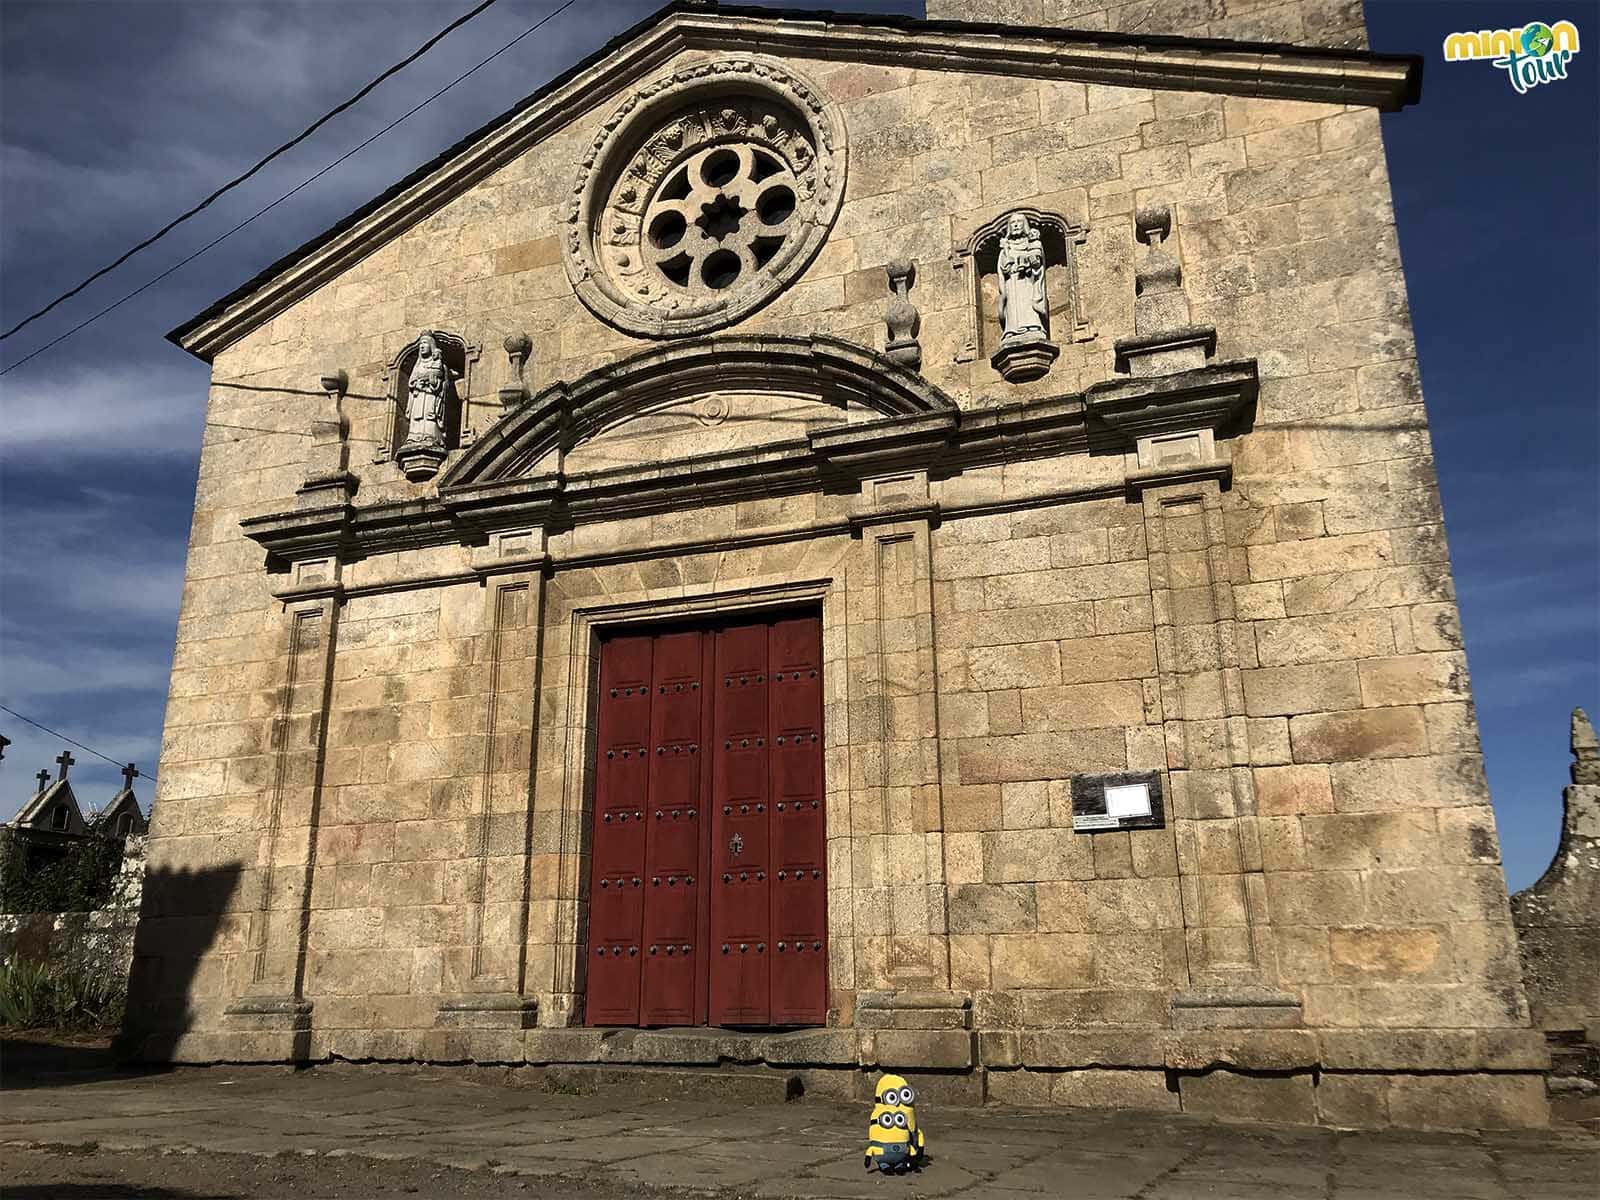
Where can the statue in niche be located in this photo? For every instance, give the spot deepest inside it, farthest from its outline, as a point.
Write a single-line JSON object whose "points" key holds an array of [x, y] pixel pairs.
{"points": [[1023, 306], [426, 392]]}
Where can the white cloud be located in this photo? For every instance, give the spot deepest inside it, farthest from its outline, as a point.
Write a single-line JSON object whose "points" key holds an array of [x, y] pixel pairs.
{"points": [[105, 409], [94, 780]]}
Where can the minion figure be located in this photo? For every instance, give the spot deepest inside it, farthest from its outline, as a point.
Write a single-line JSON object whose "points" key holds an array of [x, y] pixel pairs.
{"points": [[894, 1143]]}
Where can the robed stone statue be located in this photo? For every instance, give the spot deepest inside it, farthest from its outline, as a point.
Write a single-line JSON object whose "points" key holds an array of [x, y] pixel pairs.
{"points": [[426, 392], [1023, 306]]}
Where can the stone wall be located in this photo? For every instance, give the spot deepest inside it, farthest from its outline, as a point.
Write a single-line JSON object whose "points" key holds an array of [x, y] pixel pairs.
{"points": [[1337, 23], [394, 765], [1558, 926], [98, 943]]}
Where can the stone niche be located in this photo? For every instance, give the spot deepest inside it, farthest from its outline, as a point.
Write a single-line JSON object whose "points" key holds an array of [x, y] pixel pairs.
{"points": [[459, 356], [1065, 322]]}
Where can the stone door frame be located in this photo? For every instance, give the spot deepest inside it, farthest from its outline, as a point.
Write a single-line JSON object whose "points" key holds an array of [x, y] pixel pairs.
{"points": [[584, 628]]}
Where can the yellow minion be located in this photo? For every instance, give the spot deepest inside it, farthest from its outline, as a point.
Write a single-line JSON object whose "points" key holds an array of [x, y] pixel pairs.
{"points": [[894, 1143]]}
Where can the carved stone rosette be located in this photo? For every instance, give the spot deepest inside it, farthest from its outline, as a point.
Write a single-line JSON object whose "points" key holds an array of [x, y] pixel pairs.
{"points": [[703, 196]]}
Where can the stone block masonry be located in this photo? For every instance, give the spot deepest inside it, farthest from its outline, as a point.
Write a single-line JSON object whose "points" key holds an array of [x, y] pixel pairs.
{"points": [[1558, 928], [1203, 547]]}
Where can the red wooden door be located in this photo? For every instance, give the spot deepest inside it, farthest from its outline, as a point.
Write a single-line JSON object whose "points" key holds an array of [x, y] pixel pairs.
{"points": [[799, 842], [616, 874], [709, 877], [673, 878], [741, 905]]}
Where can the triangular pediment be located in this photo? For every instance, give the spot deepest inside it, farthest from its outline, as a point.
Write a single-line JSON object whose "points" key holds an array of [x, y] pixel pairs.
{"points": [[1128, 60]]}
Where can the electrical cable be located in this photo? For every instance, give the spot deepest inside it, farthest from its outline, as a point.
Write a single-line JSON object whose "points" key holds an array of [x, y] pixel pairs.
{"points": [[312, 179], [65, 738], [237, 180]]}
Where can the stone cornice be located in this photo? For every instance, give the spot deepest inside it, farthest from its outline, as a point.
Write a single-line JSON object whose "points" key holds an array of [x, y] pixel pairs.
{"points": [[942, 441], [1237, 68]]}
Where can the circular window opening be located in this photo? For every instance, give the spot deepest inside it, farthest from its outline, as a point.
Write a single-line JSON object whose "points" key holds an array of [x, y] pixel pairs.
{"points": [[776, 205], [720, 168], [667, 230], [720, 269], [704, 196]]}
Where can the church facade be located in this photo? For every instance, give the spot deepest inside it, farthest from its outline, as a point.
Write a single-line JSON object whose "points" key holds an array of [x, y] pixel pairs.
{"points": [[821, 543]]}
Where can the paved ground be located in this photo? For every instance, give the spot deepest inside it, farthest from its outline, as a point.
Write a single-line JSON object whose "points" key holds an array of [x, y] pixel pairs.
{"points": [[372, 1132]]}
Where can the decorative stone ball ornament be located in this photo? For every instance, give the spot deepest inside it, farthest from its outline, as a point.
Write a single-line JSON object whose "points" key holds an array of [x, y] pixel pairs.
{"points": [[703, 196]]}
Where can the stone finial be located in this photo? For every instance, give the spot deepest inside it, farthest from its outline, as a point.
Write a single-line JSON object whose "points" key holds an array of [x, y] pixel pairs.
{"points": [[329, 426], [1585, 749], [1165, 340], [328, 467], [129, 774], [519, 347], [1158, 282], [1152, 224], [65, 761], [902, 316], [336, 383]]}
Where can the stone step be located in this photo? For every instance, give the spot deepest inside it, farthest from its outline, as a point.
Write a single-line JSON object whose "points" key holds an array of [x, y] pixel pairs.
{"points": [[744, 1086]]}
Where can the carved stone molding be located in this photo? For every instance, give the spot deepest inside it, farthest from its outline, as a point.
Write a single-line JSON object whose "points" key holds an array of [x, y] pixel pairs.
{"points": [[827, 369], [703, 196], [1024, 359], [508, 481]]}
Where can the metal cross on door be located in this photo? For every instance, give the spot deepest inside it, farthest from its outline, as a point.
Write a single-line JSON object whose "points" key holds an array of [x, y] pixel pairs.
{"points": [[720, 920]]}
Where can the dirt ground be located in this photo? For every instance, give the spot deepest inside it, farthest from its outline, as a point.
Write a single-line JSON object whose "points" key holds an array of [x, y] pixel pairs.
{"points": [[62, 1173], [72, 1126]]}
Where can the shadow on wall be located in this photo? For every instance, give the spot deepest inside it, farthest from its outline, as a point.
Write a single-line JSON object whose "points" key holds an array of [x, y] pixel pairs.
{"points": [[183, 914]]}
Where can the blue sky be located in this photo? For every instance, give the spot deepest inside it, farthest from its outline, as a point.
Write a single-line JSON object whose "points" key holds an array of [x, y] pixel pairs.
{"points": [[116, 115]]}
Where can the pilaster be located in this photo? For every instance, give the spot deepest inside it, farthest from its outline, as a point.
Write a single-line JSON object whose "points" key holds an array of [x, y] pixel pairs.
{"points": [[896, 802]]}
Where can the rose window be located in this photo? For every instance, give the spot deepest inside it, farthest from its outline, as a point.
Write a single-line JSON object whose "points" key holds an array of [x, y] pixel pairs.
{"points": [[719, 217], [705, 195]]}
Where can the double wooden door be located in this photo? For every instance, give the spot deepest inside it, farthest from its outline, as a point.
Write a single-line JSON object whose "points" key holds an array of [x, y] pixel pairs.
{"points": [[708, 876]]}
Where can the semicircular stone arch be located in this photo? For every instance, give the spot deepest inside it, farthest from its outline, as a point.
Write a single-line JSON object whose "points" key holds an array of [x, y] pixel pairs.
{"points": [[705, 371]]}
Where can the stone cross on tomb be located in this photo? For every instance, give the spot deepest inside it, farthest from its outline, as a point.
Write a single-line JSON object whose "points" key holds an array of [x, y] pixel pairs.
{"points": [[44, 779], [129, 774], [66, 760]]}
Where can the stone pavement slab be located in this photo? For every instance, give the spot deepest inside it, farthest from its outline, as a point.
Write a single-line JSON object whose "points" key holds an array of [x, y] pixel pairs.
{"points": [[614, 1139]]}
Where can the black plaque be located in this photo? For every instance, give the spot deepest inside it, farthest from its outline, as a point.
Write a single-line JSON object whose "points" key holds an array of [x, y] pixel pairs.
{"points": [[1089, 802]]}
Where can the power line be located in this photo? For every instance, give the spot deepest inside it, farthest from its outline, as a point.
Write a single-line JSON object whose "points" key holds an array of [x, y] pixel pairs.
{"points": [[237, 180], [65, 738], [262, 212]]}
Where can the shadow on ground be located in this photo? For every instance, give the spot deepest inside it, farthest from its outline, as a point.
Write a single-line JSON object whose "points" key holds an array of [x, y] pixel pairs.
{"points": [[38, 1058], [108, 1191]]}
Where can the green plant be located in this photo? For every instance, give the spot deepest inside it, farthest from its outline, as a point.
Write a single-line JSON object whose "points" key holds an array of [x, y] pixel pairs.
{"points": [[77, 880], [24, 989], [40, 995]]}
